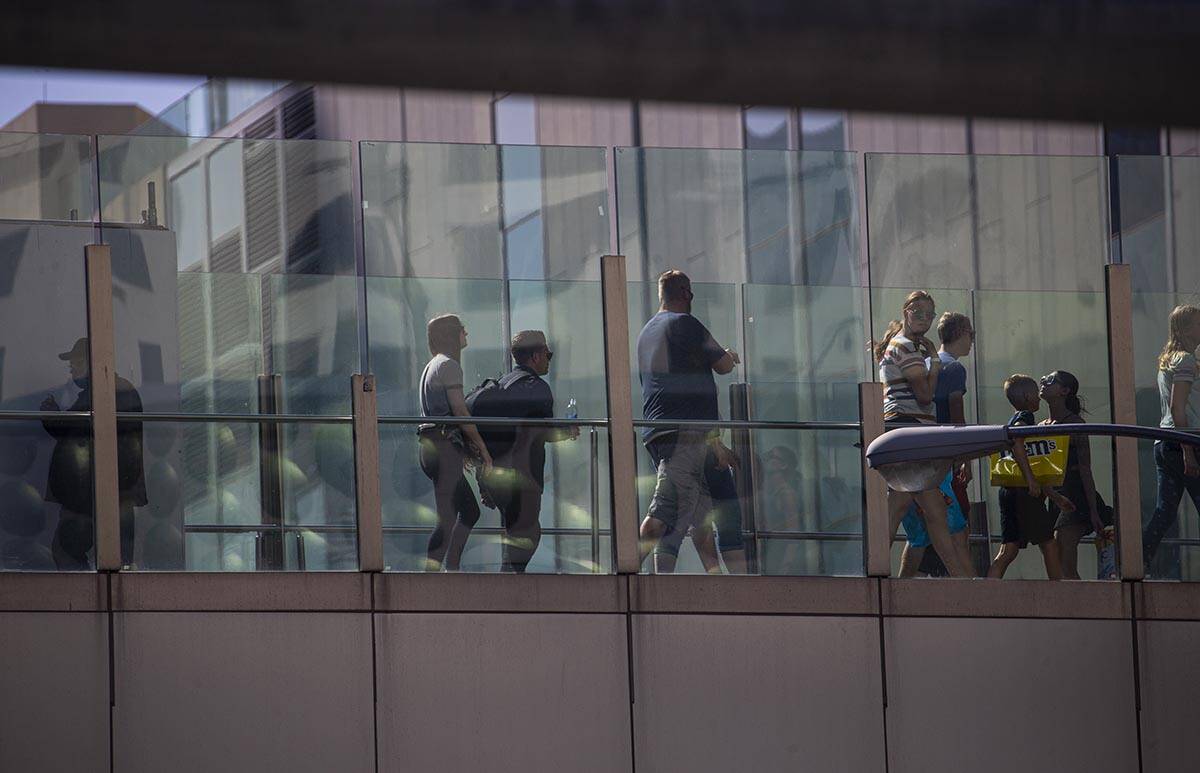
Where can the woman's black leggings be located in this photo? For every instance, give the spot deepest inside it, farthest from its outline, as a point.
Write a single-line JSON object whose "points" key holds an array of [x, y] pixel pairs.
{"points": [[457, 508]]}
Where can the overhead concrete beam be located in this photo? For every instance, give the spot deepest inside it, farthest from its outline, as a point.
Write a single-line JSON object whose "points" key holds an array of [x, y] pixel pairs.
{"points": [[1070, 59]]}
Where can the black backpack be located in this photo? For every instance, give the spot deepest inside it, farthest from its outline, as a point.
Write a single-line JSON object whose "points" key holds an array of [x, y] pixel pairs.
{"points": [[491, 399]]}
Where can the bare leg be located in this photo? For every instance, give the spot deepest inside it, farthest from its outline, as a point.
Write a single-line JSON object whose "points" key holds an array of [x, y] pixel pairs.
{"points": [[1004, 558], [1050, 556], [650, 533], [934, 512], [898, 503], [910, 560], [1068, 545], [705, 541]]}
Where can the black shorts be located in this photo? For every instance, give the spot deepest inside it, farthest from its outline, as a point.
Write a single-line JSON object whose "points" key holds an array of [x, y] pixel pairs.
{"points": [[1024, 519], [1082, 515]]}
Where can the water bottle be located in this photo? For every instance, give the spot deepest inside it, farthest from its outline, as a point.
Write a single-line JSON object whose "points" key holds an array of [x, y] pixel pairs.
{"points": [[572, 414]]}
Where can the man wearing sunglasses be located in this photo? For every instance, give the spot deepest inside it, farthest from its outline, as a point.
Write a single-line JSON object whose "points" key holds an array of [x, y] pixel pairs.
{"points": [[517, 479]]}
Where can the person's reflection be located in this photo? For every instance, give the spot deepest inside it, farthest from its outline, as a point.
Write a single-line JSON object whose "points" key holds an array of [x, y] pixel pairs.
{"points": [[69, 482]]}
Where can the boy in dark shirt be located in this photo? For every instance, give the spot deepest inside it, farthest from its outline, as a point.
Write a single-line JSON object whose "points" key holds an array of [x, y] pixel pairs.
{"points": [[1024, 519]]}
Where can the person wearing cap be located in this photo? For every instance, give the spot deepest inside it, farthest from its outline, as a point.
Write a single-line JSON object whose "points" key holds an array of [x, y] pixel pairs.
{"points": [[69, 481], [517, 479]]}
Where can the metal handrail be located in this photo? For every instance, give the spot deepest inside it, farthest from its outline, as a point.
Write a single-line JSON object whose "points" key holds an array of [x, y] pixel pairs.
{"points": [[742, 424], [244, 418], [45, 415], [253, 528], [488, 421]]}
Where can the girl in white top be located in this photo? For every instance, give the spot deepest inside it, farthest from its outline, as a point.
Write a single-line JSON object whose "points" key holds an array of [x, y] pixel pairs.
{"points": [[1179, 396], [909, 368]]}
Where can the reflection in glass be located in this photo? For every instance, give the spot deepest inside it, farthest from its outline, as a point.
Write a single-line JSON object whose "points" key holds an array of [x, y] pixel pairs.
{"points": [[1176, 557], [995, 222], [46, 519], [46, 177], [203, 343], [795, 506], [228, 496], [289, 201], [41, 268], [763, 216], [575, 520], [804, 353], [484, 211]]}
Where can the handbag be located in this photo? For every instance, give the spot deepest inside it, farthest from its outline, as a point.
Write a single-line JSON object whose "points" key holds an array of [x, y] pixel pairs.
{"points": [[1047, 459]]}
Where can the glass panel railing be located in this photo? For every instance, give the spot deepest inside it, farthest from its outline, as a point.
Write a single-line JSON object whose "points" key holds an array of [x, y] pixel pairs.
{"points": [[570, 508], [760, 216], [484, 211], [1170, 522], [46, 520], [1033, 334], [196, 352], [1159, 197], [991, 222], [805, 352], [569, 486], [228, 495], [1039, 334], [46, 177], [234, 205], [790, 505], [209, 108]]}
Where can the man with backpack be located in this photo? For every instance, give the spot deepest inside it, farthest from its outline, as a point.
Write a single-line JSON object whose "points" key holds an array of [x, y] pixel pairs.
{"points": [[517, 479]]}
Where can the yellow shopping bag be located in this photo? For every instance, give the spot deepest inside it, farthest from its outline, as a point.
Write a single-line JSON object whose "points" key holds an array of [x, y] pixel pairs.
{"points": [[1047, 459]]}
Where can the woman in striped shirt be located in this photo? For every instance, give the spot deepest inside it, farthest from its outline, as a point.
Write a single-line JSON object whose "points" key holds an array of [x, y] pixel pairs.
{"points": [[909, 368]]}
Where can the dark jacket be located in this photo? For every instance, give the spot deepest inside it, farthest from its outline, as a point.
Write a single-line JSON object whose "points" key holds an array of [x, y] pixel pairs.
{"points": [[69, 481]]}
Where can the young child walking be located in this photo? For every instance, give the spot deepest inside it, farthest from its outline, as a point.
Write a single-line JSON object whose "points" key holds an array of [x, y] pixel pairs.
{"points": [[1024, 519]]}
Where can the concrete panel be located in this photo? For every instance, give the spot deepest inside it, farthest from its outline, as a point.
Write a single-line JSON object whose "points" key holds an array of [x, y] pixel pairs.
{"points": [[1009, 598], [1167, 600], [757, 693], [52, 592], [725, 595], [501, 692], [1004, 695], [53, 692], [1170, 682], [242, 591], [468, 592], [205, 691]]}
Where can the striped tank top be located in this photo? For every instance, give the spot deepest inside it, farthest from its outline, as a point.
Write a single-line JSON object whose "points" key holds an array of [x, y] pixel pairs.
{"points": [[899, 400]]}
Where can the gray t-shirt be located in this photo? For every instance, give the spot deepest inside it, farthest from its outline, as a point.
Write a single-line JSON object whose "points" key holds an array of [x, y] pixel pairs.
{"points": [[440, 375], [1181, 369]]}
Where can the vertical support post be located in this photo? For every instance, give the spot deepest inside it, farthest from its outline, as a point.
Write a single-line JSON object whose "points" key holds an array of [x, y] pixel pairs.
{"points": [[271, 552], [621, 445], [1118, 284], [366, 474], [877, 537], [102, 367]]}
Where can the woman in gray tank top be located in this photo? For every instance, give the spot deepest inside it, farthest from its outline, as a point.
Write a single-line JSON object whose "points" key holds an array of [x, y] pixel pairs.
{"points": [[443, 448], [1179, 398]]}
